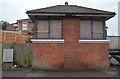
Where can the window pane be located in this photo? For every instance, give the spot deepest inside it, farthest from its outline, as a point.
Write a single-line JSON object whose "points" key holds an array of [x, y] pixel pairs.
{"points": [[43, 25], [24, 25], [42, 29], [97, 30], [85, 30], [55, 29]]}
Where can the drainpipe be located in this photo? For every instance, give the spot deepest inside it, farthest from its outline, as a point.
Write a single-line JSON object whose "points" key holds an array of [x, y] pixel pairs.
{"points": [[49, 27], [91, 24], [104, 29], [35, 27]]}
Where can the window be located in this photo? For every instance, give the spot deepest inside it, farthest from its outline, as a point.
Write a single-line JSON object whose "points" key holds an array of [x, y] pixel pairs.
{"points": [[91, 29], [49, 29], [42, 29], [55, 29], [85, 30], [97, 29], [24, 25]]}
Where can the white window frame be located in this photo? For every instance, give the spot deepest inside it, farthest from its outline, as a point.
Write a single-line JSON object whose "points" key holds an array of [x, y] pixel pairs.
{"points": [[24, 25]]}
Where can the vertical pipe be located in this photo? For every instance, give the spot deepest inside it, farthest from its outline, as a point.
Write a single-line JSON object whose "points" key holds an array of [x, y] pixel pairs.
{"points": [[49, 28], [35, 27], [91, 24], [104, 29], [62, 28]]}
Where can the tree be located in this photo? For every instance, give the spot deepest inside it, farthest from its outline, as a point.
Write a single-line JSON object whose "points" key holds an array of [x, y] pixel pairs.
{"points": [[4, 25], [0, 26]]}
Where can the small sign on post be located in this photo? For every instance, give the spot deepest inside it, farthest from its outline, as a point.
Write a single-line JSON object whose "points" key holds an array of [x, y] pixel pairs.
{"points": [[7, 55]]}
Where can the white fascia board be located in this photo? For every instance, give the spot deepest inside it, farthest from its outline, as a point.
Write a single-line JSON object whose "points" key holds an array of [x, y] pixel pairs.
{"points": [[94, 41], [47, 40]]}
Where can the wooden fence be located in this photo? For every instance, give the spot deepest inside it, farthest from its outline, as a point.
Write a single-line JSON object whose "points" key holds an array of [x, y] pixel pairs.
{"points": [[22, 52]]}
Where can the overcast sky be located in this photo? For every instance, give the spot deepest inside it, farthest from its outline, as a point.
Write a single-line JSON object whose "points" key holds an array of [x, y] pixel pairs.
{"points": [[12, 10]]}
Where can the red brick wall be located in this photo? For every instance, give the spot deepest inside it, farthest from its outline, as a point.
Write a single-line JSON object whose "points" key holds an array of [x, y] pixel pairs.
{"points": [[11, 37], [70, 55], [30, 26], [10, 27], [20, 25], [71, 29]]}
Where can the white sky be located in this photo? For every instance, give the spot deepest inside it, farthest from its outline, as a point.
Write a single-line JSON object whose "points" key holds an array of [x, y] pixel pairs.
{"points": [[12, 10]]}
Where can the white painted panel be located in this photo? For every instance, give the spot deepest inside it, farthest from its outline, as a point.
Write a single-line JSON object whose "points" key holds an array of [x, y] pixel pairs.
{"points": [[94, 41], [7, 55], [47, 40], [114, 42]]}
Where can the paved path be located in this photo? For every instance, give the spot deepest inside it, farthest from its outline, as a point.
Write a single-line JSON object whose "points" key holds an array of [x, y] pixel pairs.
{"points": [[28, 73]]}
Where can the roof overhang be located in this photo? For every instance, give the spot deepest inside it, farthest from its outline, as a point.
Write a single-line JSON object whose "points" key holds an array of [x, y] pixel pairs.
{"points": [[54, 14], [47, 14], [106, 16]]}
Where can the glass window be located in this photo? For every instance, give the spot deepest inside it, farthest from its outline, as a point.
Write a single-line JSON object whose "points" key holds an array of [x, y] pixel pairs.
{"points": [[24, 25]]}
